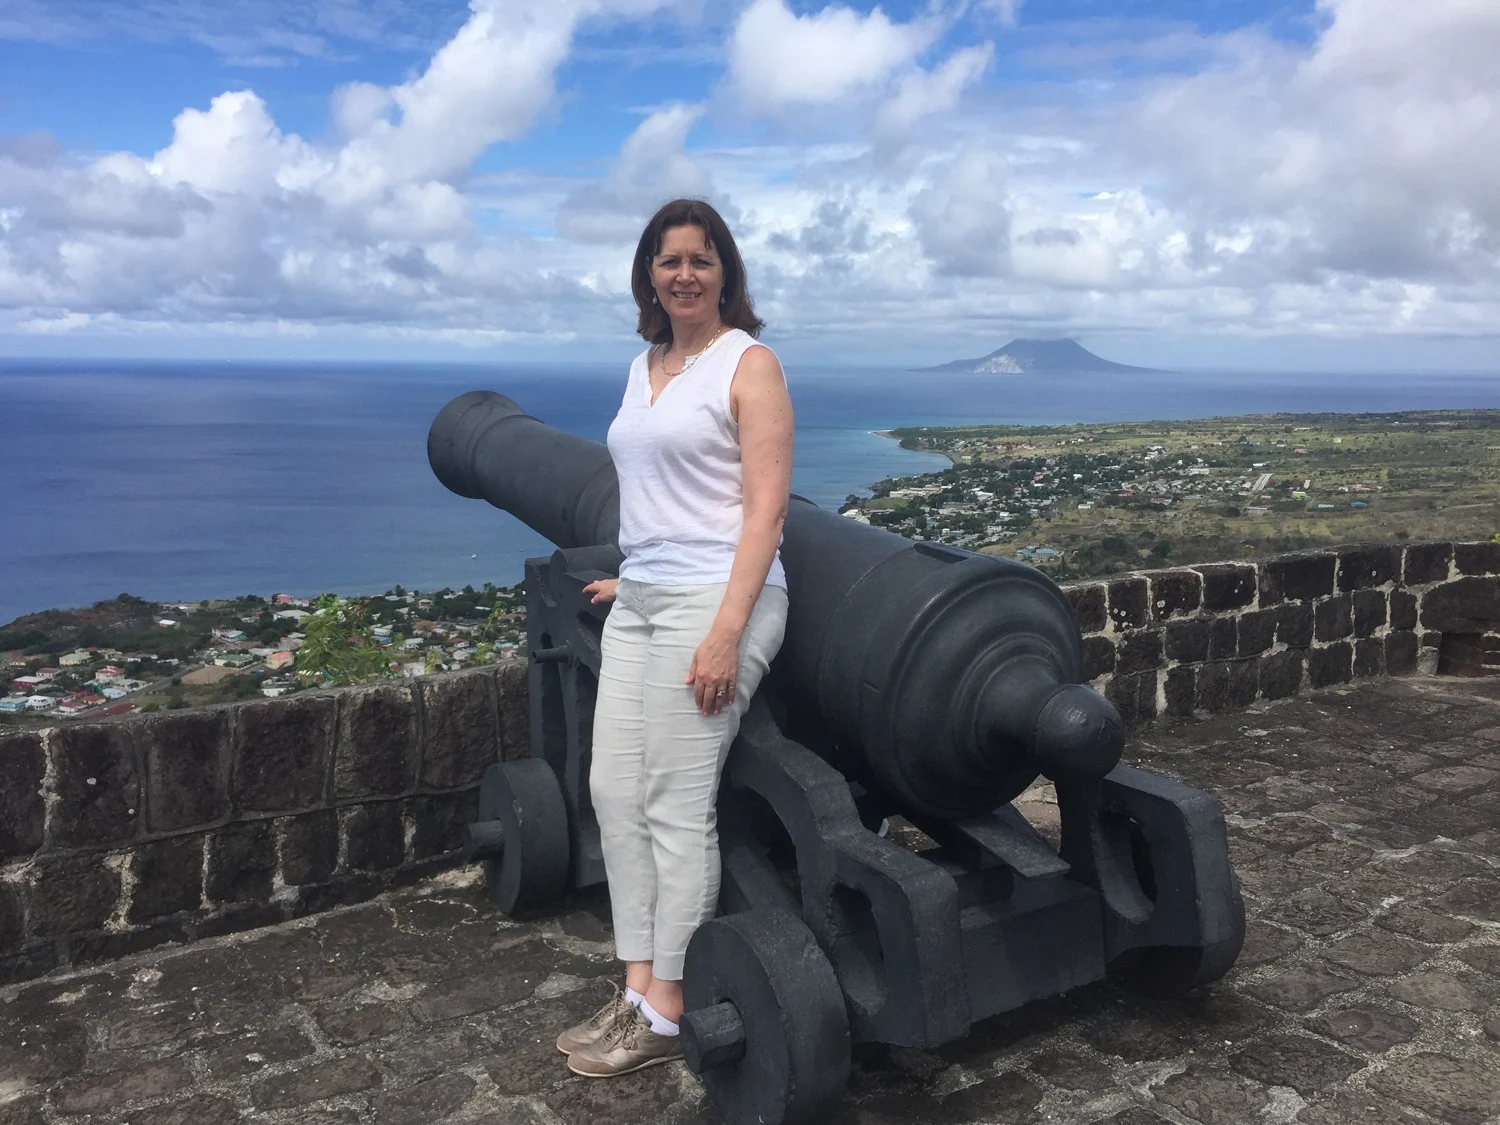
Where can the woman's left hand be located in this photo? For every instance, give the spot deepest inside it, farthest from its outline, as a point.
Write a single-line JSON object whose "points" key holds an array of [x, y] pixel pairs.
{"points": [[714, 670]]}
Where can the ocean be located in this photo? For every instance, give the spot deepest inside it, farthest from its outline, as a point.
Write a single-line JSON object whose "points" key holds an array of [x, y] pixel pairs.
{"points": [[200, 480]]}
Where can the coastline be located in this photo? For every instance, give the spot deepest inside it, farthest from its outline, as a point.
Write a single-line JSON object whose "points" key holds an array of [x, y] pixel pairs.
{"points": [[890, 435]]}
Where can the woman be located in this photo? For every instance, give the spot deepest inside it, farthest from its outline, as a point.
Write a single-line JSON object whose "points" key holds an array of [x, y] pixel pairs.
{"points": [[703, 447]]}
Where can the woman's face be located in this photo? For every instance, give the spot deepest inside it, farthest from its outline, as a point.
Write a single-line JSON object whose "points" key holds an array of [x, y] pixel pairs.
{"points": [[687, 275]]}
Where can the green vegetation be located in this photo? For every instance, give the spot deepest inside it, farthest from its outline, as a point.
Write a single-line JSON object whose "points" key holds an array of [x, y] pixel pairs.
{"points": [[1090, 500]]}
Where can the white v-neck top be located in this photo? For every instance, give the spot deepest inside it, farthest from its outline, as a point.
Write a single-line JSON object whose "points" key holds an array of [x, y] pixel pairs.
{"points": [[681, 501]]}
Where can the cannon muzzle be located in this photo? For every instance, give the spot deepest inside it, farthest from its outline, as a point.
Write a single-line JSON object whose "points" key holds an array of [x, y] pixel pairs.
{"points": [[483, 446]]}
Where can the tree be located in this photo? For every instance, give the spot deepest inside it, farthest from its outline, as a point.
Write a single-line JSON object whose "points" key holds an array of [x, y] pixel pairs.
{"points": [[337, 646]]}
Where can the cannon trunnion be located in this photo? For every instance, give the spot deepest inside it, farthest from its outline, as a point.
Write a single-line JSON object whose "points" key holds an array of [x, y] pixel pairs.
{"points": [[916, 681]]}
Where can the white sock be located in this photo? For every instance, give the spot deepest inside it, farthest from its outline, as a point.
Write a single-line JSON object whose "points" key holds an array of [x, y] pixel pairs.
{"points": [[659, 1023], [636, 998]]}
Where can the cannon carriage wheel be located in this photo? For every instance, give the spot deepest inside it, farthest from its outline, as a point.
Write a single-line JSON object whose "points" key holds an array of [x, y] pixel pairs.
{"points": [[765, 1027], [521, 835]]}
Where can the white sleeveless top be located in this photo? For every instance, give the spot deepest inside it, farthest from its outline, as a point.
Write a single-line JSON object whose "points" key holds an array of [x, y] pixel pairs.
{"points": [[681, 503]]}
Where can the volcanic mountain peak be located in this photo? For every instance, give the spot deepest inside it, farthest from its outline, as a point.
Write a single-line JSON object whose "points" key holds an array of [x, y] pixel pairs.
{"points": [[1023, 356]]}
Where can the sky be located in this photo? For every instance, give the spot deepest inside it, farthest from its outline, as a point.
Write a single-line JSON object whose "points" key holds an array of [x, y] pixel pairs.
{"points": [[1241, 184]]}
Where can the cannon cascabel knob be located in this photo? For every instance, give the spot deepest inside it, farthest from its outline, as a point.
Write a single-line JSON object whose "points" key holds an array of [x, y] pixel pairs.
{"points": [[1078, 736]]}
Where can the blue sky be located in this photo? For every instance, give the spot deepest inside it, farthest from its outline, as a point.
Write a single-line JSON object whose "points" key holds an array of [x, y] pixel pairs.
{"points": [[1238, 183]]}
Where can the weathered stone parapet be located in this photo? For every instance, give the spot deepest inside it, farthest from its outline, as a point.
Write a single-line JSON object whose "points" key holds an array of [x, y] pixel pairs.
{"points": [[1205, 639], [121, 835]]}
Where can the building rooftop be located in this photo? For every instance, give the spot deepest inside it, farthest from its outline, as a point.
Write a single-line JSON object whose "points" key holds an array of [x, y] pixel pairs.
{"points": [[1364, 823]]}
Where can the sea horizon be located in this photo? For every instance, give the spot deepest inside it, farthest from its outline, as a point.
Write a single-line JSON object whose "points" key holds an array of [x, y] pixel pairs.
{"points": [[190, 480]]}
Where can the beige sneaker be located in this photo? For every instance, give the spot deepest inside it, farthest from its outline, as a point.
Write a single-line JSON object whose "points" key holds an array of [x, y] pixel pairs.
{"points": [[597, 1025], [629, 1046]]}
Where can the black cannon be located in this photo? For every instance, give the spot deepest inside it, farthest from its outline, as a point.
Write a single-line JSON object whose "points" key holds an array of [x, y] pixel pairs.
{"points": [[915, 681]]}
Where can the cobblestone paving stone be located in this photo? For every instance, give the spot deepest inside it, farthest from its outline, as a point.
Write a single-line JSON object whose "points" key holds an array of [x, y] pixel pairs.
{"points": [[1364, 822]]}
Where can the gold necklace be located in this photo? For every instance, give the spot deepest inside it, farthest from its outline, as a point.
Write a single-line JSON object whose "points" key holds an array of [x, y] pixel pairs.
{"points": [[688, 361]]}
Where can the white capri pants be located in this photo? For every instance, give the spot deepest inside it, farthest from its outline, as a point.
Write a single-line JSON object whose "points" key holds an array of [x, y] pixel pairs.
{"points": [[657, 760]]}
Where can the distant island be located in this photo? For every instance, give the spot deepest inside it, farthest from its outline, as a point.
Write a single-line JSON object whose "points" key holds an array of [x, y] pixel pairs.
{"points": [[1051, 357]]}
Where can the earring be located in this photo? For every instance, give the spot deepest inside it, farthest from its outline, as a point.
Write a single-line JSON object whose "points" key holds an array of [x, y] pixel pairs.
{"points": [[721, 298], [653, 298]]}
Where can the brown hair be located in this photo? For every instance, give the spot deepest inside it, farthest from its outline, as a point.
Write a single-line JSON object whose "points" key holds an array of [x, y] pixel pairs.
{"points": [[736, 309]]}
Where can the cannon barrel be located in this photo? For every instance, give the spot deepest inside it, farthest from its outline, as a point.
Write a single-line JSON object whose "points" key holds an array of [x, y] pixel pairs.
{"points": [[946, 678]]}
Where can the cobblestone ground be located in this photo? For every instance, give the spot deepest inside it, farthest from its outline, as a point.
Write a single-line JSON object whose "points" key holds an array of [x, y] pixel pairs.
{"points": [[1365, 824]]}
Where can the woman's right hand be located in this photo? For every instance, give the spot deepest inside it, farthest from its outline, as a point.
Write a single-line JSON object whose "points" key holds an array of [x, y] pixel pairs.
{"points": [[602, 589]]}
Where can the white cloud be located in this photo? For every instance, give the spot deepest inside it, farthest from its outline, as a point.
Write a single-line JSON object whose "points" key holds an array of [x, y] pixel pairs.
{"points": [[780, 61], [884, 195], [651, 169], [924, 93], [1007, 12]]}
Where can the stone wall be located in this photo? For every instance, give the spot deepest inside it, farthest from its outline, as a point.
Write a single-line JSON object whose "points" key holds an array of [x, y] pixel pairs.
{"points": [[1205, 639], [120, 835]]}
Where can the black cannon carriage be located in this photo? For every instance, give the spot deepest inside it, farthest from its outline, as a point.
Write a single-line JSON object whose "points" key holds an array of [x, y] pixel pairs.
{"points": [[915, 681]]}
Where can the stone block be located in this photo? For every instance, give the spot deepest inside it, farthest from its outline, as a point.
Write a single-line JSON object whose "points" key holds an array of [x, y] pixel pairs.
{"points": [[1300, 577], [187, 767], [1257, 631], [168, 877], [1469, 654], [309, 847], [1139, 652], [1098, 657], [1294, 625], [1181, 691], [1331, 665], [1186, 641], [97, 784], [71, 893], [101, 1093], [341, 1075], [1400, 652], [1369, 612], [281, 750], [1369, 656], [515, 713], [1307, 1065], [460, 730], [1333, 618], [1175, 593], [1134, 697], [1089, 606], [51, 1049], [1465, 605], [1372, 564], [1426, 562], [241, 862], [1228, 685], [376, 751], [12, 918], [32, 960], [374, 836], [1129, 603], [23, 765], [1454, 1091], [1403, 609], [1476, 558], [430, 1100], [1281, 674], [437, 822], [1223, 638], [1227, 586]]}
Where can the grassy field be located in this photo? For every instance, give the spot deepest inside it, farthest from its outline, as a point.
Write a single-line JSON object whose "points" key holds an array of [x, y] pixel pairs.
{"points": [[1417, 475]]}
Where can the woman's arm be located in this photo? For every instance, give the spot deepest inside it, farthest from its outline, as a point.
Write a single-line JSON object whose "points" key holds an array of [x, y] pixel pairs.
{"points": [[763, 410]]}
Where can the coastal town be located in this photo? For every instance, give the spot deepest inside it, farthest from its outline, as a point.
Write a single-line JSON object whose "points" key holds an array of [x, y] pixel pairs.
{"points": [[129, 655], [1074, 501], [1083, 501]]}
